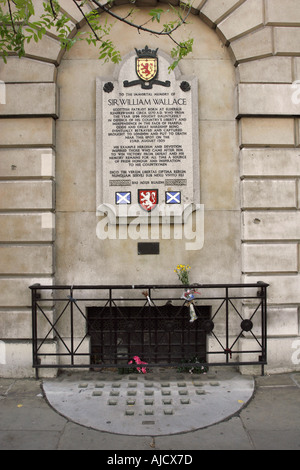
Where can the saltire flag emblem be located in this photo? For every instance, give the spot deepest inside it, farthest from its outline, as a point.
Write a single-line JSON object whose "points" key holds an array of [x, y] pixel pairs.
{"points": [[123, 197], [173, 197]]}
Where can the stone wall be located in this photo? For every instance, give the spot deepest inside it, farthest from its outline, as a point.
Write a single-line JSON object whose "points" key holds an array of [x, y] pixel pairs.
{"points": [[246, 57]]}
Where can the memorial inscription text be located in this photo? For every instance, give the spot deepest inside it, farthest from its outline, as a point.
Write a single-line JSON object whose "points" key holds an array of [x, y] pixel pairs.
{"points": [[148, 138]]}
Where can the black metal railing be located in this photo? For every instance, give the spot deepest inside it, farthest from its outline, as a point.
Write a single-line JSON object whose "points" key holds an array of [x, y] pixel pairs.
{"points": [[104, 326]]}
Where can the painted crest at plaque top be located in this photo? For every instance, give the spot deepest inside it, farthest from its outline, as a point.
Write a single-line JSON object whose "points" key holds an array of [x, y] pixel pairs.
{"points": [[146, 64], [148, 199], [146, 67]]}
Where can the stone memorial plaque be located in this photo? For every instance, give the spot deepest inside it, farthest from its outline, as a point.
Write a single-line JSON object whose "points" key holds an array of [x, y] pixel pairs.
{"points": [[147, 138]]}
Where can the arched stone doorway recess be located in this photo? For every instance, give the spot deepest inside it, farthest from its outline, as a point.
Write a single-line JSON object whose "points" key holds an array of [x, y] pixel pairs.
{"points": [[246, 57]]}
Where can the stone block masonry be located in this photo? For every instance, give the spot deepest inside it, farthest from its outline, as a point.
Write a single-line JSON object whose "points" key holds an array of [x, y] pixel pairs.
{"points": [[247, 62], [27, 202]]}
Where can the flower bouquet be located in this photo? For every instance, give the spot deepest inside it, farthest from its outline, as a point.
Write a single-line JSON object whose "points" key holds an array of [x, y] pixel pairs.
{"points": [[182, 272]]}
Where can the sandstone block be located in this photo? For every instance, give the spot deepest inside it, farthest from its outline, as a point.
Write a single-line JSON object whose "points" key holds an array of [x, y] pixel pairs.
{"points": [[19, 359], [284, 289], [72, 11], [22, 131], [26, 70], [255, 99], [287, 40], [213, 12], [257, 44], [27, 259], [76, 169], [297, 69], [267, 70], [27, 227], [15, 292], [216, 97], [18, 324], [23, 163], [267, 131], [270, 162], [271, 225], [47, 49], [269, 194], [280, 355], [79, 99], [282, 321], [30, 99], [219, 165], [245, 18], [270, 258], [282, 13], [26, 195]]}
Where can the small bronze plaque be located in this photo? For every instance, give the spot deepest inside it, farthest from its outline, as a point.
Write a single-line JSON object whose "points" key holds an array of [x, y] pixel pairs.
{"points": [[148, 248]]}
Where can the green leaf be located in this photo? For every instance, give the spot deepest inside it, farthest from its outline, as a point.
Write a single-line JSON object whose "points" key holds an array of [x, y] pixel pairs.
{"points": [[156, 14]]}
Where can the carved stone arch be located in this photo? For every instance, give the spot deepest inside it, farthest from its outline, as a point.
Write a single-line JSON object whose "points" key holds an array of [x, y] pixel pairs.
{"points": [[212, 65], [240, 24], [262, 37]]}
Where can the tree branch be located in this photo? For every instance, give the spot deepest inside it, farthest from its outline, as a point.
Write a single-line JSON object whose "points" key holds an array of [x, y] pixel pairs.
{"points": [[86, 19], [53, 9], [141, 27], [11, 17]]}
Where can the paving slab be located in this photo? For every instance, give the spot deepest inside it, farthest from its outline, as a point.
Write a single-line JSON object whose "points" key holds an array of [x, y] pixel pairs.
{"points": [[269, 421], [148, 405]]}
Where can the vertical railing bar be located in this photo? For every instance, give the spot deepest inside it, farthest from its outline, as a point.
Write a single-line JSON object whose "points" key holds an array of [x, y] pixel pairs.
{"points": [[264, 328], [182, 336], [155, 313], [72, 325], [34, 332], [227, 324], [150, 321], [143, 333], [110, 320]]}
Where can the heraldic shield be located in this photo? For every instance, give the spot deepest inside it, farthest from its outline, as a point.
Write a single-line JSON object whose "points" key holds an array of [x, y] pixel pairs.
{"points": [[146, 68], [148, 199]]}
